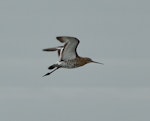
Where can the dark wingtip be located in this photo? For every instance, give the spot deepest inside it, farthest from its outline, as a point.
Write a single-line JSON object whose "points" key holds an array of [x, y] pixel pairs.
{"points": [[47, 49], [58, 37]]}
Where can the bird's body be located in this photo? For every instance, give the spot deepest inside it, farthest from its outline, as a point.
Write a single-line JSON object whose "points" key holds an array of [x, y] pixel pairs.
{"points": [[68, 54], [73, 63]]}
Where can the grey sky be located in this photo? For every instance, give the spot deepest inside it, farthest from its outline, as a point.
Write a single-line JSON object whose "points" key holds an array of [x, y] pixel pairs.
{"points": [[114, 32]]}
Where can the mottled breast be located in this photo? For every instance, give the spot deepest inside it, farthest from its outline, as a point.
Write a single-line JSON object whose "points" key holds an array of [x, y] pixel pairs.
{"points": [[74, 63]]}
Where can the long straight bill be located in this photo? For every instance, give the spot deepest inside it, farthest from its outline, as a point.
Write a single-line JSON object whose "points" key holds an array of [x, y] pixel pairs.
{"points": [[97, 62]]}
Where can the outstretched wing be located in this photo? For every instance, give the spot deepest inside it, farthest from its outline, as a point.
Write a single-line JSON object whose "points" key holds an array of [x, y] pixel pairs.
{"points": [[58, 49], [69, 50]]}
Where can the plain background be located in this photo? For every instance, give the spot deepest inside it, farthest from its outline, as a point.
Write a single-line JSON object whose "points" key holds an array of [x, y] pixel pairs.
{"points": [[114, 32]]}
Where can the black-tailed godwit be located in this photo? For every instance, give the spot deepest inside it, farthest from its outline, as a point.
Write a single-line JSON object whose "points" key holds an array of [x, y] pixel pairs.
{"points": [[68, 55]]}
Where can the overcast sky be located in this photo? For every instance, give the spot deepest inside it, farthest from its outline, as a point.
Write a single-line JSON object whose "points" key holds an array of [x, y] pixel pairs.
{"points": [[114, 32]]}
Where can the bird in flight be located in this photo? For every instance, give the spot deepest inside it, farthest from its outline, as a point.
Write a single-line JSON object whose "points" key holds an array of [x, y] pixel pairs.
{"points": [[68, 55]]}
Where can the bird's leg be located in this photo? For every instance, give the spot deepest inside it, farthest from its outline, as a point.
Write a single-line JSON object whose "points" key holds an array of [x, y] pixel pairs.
{"points": [[51, 71]]}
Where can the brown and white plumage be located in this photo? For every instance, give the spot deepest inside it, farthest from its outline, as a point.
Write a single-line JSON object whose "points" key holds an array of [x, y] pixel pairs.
{"points": [[68, 54]]}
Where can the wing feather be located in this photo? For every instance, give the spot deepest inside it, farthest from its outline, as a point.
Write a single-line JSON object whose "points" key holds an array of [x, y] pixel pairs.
{"points": [[58, 49], [69, 51]]}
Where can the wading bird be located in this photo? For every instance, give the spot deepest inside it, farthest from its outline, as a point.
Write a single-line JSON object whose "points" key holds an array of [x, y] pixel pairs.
{"points": [[68, 55]]}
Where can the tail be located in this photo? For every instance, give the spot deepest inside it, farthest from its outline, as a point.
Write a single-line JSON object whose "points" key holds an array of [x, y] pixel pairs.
{"points": [[53, 66]]}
